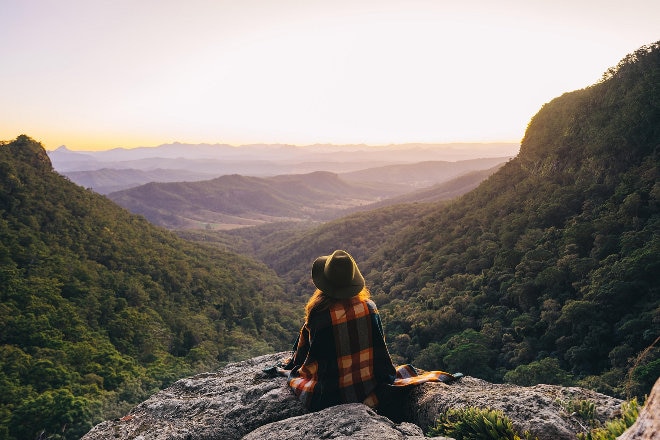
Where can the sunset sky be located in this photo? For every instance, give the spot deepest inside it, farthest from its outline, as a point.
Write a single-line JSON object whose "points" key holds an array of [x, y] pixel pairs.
{"points": [[97, 74]]}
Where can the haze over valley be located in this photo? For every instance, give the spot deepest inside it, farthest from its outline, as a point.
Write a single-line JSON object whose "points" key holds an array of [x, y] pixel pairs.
{"points": [[117, 169], [172, 185]]}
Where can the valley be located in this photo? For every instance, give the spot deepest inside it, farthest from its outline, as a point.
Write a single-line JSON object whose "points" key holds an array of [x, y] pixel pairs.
{"points": [[183, 194]]}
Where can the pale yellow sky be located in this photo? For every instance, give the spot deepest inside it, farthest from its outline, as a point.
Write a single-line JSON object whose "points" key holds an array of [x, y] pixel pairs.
{"points": [[96, 74]]}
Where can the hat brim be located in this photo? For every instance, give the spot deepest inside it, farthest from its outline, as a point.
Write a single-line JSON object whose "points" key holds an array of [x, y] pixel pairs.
{"points": [[327, 287]]}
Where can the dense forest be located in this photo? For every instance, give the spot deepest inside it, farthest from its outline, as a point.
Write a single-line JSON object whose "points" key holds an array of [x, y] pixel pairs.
{"points": [[99, 309], [548, 272]]}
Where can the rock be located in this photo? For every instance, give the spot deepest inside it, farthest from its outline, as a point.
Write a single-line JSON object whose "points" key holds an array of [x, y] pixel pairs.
{"points": [[341, 422], [241, 401], [647, 425], [222, 405], [538, 409]]}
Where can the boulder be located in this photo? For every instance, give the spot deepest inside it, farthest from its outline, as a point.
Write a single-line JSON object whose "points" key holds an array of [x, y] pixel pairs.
{"points": [[226, 404], [240, 401], [541, 409], [341, 422]]}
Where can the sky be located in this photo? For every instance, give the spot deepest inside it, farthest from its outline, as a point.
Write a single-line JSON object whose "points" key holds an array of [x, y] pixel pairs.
{"points": [[99, 74]]}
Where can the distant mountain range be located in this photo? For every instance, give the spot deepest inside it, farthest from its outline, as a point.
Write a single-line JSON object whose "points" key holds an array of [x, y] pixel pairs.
{"points": [[64, 159], [422, 174], [233, 200], [107, 180], [416, 175], [114, 170], [441, 191]]}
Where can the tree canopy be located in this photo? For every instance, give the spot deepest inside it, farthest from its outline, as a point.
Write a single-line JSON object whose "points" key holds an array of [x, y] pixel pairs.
{"points": [[98, 308]]}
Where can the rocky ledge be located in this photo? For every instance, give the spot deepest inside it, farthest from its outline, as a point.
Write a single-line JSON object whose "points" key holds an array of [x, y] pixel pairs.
{"points": [[240, 401]]}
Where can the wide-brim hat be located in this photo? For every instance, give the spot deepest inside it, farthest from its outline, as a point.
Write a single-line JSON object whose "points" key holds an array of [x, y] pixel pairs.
{"points": [[337, 275]]}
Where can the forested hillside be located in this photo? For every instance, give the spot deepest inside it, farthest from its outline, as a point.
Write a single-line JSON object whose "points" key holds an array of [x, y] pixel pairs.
{"points": [[98, 308], [549, 271]]}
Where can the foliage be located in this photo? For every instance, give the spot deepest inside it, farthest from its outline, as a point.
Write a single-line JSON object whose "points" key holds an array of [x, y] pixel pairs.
{"points": [[614, 428], [583, 409], [472, 423], [546, 370], [99, 309], [555, 256]]}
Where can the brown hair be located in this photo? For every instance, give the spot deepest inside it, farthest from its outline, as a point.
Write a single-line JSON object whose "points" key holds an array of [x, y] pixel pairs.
{"points": [[319, 301]]}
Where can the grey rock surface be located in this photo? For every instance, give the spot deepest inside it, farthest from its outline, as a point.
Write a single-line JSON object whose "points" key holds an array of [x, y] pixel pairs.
{"points": [[539, 409], [341, 422], [226, 404], [240, 401]]}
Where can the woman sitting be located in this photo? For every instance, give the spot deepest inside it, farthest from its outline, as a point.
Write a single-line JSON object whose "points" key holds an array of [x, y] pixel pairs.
{"points": [[341, 355]]}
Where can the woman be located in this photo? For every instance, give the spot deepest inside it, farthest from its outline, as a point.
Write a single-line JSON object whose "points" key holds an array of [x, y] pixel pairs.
{"points": [[340, 355]]}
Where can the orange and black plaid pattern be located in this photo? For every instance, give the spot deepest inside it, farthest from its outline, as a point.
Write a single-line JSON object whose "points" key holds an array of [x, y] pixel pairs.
{"points": [[408, 375], [341, 357]]}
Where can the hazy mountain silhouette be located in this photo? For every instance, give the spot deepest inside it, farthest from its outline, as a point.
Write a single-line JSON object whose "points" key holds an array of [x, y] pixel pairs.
{"points": [[65, 159], [231, 201], [235, 200], [422, 174], [107, 180]]}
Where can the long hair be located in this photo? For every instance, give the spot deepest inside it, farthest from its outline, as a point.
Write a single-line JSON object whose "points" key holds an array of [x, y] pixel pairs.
{"points": [[319, 301]]}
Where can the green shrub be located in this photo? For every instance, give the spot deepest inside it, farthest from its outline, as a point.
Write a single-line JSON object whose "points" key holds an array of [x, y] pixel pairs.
{"points": [[584, 409], [546, 370], [473, 423], [616, 427]]}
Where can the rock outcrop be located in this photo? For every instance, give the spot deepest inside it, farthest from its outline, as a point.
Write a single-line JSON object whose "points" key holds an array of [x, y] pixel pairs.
{"points": [[240, 401]]}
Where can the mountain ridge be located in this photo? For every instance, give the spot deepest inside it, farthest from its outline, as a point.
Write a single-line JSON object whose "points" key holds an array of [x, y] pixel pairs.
{"points": [[246, 199]]}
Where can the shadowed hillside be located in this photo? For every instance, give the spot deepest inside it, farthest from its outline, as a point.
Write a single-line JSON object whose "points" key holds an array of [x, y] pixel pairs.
{"points": [[98, 308], [442, 191], [423, 174]]}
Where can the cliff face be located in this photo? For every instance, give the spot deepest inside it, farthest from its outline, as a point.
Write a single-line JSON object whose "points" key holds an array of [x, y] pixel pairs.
{"points": [[239, 401]]}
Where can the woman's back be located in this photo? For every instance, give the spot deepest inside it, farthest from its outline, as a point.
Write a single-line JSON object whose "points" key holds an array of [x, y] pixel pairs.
{"points": [[341, 355], [345, 357]]}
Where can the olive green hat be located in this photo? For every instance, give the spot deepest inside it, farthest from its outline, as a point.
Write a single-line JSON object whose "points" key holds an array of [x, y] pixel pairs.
{"points": [[337, 275]]}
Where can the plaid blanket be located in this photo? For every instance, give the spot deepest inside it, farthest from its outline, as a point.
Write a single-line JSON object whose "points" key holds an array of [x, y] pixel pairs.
{"points": [[341, 357]]}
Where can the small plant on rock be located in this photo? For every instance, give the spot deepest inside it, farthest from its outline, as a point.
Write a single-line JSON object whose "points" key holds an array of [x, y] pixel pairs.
{"points": [[583, 409], [473, 423], [614, 428]]}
